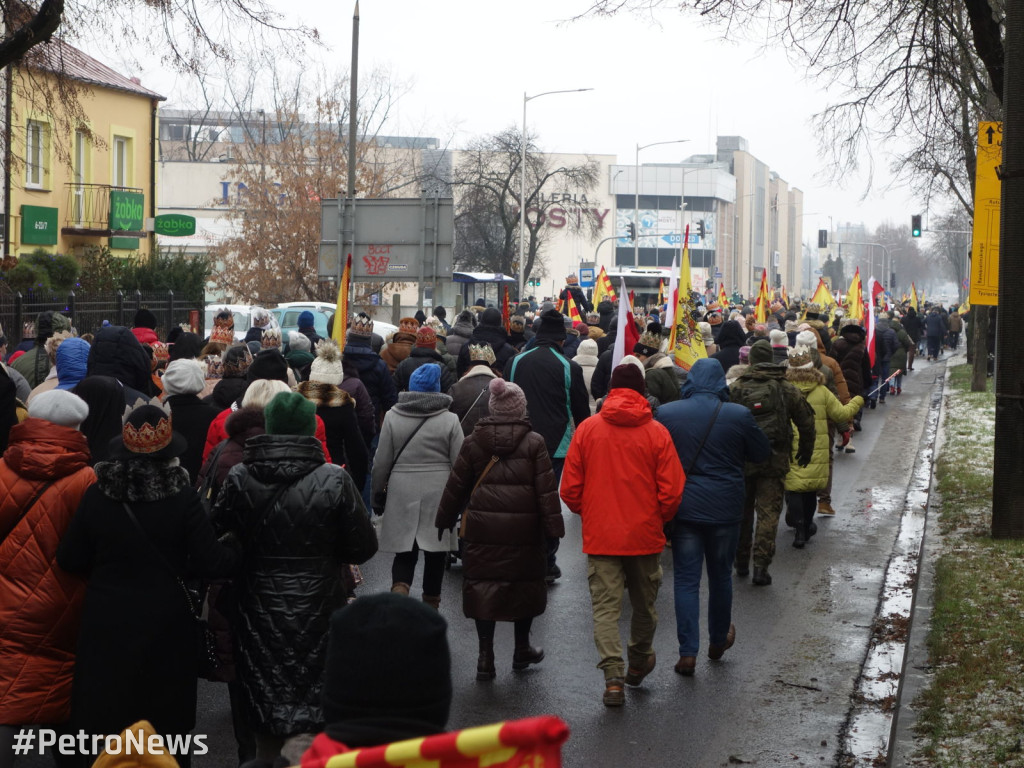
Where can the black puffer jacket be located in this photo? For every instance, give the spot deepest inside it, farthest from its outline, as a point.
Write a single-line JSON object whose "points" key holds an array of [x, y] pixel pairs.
{"points": [[852, 356], [507, 519], [116, 352], [299, 520], [374, 374], [337, 409]]}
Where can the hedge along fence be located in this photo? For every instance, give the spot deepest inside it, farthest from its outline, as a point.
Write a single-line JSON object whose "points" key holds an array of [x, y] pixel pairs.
{"points": [[88, 310]]}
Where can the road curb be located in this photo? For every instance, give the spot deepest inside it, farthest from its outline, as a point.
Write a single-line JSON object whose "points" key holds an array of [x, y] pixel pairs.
{"points": [[874, 724], [903, 741]]}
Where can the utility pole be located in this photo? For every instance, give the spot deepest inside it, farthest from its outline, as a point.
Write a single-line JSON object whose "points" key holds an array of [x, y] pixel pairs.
{"points": [[1008, 458]]}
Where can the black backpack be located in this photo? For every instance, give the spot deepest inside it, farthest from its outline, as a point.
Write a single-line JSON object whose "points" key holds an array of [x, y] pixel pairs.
{"points": [[764, 398]]}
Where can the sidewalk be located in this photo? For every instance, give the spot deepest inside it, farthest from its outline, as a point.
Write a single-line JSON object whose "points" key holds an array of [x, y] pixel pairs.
{"points": [[960, 700]]}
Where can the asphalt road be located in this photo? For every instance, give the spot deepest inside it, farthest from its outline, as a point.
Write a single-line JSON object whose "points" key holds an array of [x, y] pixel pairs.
{"points": [[781, 695]]}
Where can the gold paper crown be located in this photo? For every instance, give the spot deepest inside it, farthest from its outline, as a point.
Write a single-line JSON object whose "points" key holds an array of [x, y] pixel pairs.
{"points": [[222, 334], [148, 438], [482, 352], [362, 325], [409, 324]]}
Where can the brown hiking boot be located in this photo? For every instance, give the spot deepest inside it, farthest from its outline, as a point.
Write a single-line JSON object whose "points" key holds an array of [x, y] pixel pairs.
{"points": [[824, 508], [636, 675], [715, 652], [400, 587], [686, 665], [614, 692]]}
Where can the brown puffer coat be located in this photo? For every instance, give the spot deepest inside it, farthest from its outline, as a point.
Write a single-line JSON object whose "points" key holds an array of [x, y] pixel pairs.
{"points": [[40, 604], [508, 518], [852, 356]]}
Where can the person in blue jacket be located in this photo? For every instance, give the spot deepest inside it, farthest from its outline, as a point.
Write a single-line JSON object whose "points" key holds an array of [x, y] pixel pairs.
{"points": [[714, 439]]}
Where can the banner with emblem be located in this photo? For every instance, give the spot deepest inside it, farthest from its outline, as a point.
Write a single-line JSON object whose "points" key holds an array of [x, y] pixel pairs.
{"points": [[689, 341]]}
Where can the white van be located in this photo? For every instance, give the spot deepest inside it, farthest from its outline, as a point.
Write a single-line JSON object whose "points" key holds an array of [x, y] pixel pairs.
{"points": [[242, 314]]}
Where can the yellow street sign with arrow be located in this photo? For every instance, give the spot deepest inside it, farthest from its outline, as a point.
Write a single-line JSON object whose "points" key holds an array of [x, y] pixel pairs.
{"points": [[987, 195]]}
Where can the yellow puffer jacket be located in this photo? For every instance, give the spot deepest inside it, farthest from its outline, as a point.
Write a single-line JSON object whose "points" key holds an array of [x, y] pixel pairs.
{"points": [[827, 407]]}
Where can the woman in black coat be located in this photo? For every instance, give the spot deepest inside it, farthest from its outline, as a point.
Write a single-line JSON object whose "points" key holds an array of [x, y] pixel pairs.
{"points": [[138, 651], [508, 520], [299, 520], [183, 381]]}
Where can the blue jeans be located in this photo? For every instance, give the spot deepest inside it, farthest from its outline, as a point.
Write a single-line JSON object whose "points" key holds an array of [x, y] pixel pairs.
{"points": [[714, 546]]}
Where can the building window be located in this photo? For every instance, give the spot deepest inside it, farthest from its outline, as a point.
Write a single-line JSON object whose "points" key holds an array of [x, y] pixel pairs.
{"points": [[35, 154], [122, 161]]}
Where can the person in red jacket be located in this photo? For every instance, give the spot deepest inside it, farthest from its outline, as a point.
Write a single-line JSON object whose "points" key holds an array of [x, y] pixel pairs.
{"points": [[623, 477], [44, 474]]}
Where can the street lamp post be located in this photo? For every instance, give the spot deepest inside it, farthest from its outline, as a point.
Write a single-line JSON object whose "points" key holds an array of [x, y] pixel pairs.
{"points": [[522, 187], [636, 194]]}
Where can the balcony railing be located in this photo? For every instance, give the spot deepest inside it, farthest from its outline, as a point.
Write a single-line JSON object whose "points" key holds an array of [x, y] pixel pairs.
{"points": [[88, 208]]}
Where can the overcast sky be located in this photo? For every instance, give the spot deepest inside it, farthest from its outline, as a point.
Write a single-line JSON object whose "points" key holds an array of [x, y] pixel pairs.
{"points": [[469, 61]]}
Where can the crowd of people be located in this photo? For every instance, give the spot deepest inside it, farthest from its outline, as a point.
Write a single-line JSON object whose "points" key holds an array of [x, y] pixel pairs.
{"points": [[183, 506]]}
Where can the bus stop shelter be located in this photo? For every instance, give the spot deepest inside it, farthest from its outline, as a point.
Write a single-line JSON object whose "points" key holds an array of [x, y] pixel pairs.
{"points": [[489, 286]]}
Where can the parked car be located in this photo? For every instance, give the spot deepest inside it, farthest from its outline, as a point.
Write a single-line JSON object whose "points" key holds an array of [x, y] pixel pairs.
{"points": [[287, 316], [242, 314]]}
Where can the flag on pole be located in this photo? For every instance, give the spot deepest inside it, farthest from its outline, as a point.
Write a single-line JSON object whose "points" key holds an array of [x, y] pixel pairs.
{"points": [[670, 311], [688, 346], [913, 298], [723, 299], [874, 289], [506, 313], [624, 323], [763, 302], [785, 296], [822, 295], [341, 312], [854, 301], [632, 301], [572, 311], [603, 290], [661, 292], [921, 299]]}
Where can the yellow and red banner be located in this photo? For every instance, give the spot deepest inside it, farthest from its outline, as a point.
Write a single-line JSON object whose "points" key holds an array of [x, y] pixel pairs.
{"points": [[913, 298], [534, 742], [763, 302], [785, 297], [854, 298], [341, 311], [603, 290], [661, 293], [571, 310], [822, 295], [723, 299], [688, 341], [506, 313]]}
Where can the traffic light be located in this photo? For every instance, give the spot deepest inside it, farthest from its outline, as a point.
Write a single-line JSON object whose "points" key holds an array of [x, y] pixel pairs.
{"points": [[915, 225], [823, 238], [709, 284], [700, 229], [631, 231]]}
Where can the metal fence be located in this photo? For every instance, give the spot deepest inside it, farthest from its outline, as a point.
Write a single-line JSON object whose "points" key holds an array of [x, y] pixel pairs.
{"points": [[87, 311]]}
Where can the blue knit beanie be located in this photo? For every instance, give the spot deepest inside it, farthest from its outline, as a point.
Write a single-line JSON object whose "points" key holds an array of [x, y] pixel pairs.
{"points": [[305, 319], [426, 378]]}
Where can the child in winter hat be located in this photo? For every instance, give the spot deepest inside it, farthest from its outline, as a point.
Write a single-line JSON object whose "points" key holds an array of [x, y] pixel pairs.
{"points": [[507, 400]]}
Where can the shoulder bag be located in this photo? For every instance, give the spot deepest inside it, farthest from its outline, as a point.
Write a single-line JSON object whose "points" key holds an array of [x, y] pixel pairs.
{"points": [[491, 463], [380, 498], [27, 508], [670, 525]]}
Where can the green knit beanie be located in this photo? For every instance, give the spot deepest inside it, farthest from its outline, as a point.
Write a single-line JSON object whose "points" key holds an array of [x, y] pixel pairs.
{"points": [[289, 413]]}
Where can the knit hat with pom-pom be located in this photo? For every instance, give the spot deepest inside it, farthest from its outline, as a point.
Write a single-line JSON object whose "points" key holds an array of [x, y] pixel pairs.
{"points": [[326, 366], [507, 401]]}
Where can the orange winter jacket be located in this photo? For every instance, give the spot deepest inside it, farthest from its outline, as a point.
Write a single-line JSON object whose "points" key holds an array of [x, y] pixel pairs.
{"points": [[623, 477], [40, 604]]}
